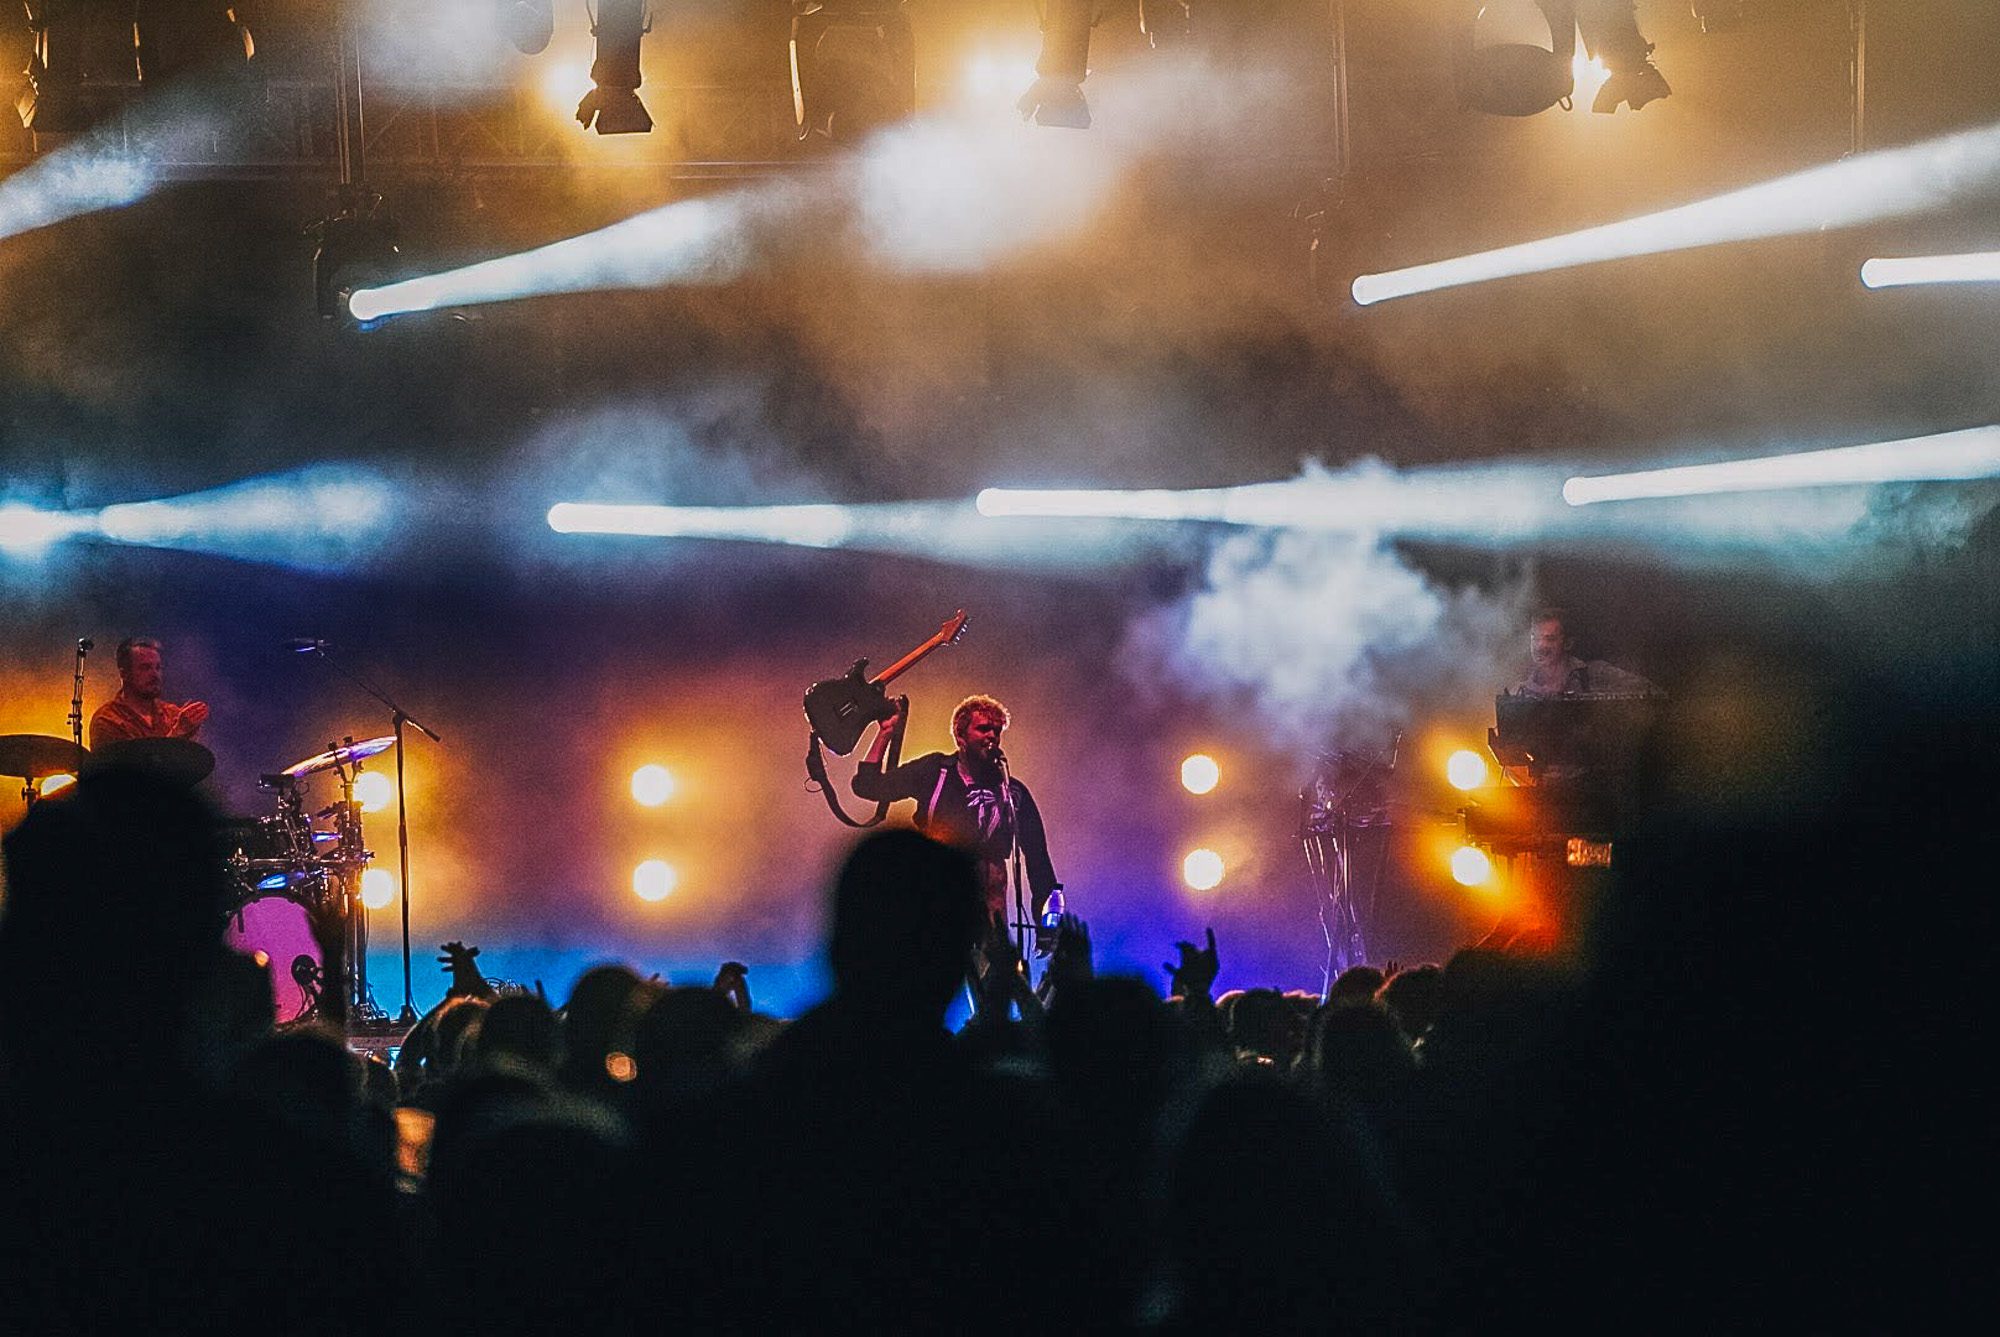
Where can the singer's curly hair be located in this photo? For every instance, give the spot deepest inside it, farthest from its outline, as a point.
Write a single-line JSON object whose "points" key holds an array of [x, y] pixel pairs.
{"points": [[966, 709]]}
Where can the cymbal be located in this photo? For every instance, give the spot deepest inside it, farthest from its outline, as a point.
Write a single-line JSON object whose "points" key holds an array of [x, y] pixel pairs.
{"points": [[34, 756], [340, 756], [181, 761]]}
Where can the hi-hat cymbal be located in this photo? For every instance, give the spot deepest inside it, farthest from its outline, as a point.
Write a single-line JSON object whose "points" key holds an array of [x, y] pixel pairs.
{"points": [[340, 756], [180, 761], [34, 756]]}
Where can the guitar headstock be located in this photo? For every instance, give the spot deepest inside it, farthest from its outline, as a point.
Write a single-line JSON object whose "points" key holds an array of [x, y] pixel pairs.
{"points": [[953, 628]]}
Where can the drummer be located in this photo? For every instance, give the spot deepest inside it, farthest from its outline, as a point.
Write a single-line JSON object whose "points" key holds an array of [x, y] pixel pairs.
{"points": [[138, 711]]}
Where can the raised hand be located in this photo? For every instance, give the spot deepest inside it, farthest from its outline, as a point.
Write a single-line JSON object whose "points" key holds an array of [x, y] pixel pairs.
{"points": [[732, 982], [1072, 962], [1195, 975], [1073, 949]]}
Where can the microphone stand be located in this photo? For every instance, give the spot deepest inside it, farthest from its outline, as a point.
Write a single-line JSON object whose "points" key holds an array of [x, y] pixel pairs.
{"points": [[83, 647], [1014, 872], [398, 718]]}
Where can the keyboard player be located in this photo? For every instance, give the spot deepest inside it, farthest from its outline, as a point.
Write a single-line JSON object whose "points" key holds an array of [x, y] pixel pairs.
{"points": [[1554, 671]]}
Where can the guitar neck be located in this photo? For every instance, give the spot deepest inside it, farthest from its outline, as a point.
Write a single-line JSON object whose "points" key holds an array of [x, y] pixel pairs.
{"points": [[945, 636]]}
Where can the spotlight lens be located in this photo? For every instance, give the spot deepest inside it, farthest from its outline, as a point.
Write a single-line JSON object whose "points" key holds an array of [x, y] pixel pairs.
{"points": [[653, 880], [1470, 867], [374, 791], [1202, 870], [1199, 774], [378, 888], [1466, 769], [652, 785]]}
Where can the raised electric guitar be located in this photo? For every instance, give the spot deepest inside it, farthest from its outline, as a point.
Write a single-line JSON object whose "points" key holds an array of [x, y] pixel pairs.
{"points": [[841, 709]]}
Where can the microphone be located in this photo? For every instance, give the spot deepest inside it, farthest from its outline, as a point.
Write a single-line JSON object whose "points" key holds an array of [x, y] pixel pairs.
{"points": [[299, 645], [85, 645]]}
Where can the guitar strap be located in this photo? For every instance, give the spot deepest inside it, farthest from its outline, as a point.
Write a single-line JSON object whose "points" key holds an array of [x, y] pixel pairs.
{"points": [[816, 777]]}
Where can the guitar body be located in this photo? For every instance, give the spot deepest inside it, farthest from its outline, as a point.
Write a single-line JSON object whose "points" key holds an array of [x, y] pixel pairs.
{"points": [[841, 709]]}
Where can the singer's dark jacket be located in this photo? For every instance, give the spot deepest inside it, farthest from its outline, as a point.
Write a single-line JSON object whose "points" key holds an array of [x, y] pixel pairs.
{"points": [[951, 811]]}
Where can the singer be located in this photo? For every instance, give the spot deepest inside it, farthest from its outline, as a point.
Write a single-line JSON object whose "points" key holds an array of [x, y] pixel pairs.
{"points": [[139, 711], [967, 799]]}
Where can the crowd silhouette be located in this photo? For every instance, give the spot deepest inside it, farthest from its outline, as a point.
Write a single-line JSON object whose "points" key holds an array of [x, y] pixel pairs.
{"points": [[1734, 1102]]}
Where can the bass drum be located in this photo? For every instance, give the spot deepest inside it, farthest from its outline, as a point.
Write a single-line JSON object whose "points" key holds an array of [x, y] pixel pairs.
{"points": [[277, 934]]}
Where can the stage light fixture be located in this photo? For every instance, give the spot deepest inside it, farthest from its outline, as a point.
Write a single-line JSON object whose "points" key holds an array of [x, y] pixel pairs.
{"points": [[1166, 23], [854, 67], [52, 101], [1948, 457], [529, 24], [171, 37], [1056, 96], [374, 790], [613, 105], [654, 880], [378, 888], [1903, 271], [1515, 56], [1465, 769], [357, 249], [652, 785], [1202, 870], [1718, 15], [1471, 867], [1200, 774]]}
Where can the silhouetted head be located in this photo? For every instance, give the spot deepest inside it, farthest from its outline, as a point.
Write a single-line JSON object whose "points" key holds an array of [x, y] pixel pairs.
{"points": [[1413, 998], [906, 913], [1116, 1050], [685, 1045], [116, 897], [519, 1034], [1262, 1024], [1359, 1053], [1356, 984], [598, 1020]]}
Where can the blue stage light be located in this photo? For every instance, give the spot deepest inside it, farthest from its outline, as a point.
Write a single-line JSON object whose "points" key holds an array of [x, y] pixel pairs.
{"points": [[27, 532]]}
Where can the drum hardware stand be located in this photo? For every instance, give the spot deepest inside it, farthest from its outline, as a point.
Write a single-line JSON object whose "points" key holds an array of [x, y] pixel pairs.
{"points": [[399, 717], [1329, 850], [351, 859], [29, 793], [83, 647]]}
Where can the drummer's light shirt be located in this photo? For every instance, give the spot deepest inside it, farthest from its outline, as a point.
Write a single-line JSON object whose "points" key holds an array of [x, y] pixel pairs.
{"points": [[118, 721]]}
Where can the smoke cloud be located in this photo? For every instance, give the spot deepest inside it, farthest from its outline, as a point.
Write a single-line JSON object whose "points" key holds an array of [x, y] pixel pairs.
{"points": [[1326, 638]]}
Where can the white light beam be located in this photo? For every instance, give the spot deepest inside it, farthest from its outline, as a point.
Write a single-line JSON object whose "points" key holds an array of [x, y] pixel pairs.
{"points": [[1948, 457], [1892, 183], [1902, 271]]}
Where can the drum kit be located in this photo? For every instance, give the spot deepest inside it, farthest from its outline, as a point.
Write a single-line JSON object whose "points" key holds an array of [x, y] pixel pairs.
{"points": [[296, 874], [298, 879]]}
